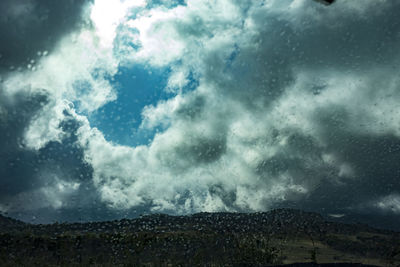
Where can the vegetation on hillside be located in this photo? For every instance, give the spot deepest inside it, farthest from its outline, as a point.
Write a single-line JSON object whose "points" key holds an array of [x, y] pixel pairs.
{"points": [[211, 239]]}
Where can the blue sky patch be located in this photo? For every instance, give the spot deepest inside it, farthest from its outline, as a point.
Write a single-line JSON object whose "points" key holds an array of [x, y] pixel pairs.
{"points": [[137, 87]]}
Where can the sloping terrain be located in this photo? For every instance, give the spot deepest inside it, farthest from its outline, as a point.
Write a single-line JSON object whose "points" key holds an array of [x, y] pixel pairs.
{"points": [[213, 239], [10, 224]]}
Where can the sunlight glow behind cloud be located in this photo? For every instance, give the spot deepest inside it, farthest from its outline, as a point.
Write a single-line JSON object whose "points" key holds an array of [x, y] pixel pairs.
{"points": [[108, 14]]}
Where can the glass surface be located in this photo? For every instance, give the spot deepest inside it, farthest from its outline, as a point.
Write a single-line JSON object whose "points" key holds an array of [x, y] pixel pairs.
{"points": [[257, 121]]}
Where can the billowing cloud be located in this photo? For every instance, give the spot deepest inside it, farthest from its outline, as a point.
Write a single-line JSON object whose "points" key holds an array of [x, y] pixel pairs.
{"points": [[274, 103], [290, 100], [40, 165], [56, 60]]}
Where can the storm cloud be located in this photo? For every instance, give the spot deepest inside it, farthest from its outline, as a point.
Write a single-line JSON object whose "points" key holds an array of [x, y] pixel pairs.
{"points": [[32, 179], [273, 104], [30, 27]]}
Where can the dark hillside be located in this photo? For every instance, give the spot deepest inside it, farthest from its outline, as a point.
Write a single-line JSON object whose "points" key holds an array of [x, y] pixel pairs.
{"points": [[214, 239], [9, 224]]}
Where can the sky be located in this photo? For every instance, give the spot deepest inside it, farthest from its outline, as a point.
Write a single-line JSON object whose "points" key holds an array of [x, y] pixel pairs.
{"points": [[115, 108]]}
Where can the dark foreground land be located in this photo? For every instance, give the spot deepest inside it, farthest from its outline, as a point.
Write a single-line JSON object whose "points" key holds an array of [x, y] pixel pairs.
{"points": [[206, 239]]}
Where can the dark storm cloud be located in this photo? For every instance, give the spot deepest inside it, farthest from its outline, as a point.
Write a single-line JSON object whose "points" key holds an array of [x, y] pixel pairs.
{"points": [[375, 160], [337, 41], [22, 170], [26, 28], [17, 165], [375, 163], [353, 44], [31, 26]]}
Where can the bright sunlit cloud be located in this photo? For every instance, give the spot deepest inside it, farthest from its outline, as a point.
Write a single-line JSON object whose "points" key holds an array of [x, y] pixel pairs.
{"points": [[108, 14]]}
